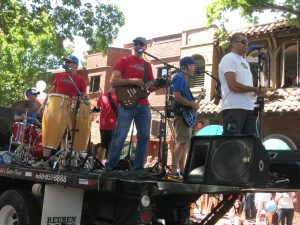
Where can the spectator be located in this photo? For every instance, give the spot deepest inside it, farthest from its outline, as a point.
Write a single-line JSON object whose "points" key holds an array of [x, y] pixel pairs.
{"points": [[149, 161], [249, 206], [285, 207], [235, 213], [261, 200]]}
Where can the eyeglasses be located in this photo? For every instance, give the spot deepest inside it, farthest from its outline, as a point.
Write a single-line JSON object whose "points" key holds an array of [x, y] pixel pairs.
{"points": [[139, 44], [244, 42]]}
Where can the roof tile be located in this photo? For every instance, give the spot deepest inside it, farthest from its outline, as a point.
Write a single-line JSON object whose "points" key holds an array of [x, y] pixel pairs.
{"points": [[281, 100]]}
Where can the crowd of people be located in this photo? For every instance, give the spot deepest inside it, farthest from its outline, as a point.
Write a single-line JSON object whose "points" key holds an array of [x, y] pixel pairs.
{"points": [[275, 208]]}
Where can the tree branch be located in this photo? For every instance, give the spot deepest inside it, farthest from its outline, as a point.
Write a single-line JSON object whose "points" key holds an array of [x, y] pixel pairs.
{"points": [[277, 7]]}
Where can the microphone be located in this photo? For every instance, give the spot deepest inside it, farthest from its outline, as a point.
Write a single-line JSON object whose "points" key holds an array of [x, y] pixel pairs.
{"points": [[139, 50], [256, 47]]}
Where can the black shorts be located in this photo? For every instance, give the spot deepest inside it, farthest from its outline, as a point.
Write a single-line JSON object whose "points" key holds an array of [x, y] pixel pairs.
{"points": [[239, 121], [106, 136]]}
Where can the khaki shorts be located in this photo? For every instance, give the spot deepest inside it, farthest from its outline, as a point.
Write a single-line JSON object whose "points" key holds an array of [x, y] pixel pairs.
{"points": [[183, 133]]}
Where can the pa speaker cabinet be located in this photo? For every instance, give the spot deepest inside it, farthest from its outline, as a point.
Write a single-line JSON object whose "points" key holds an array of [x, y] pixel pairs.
{"points": [[286, 164], [227, 160]]}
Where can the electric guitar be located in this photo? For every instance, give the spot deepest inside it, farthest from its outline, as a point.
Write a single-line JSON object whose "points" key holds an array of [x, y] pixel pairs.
{"points": [[190, 114], [128, 95]]}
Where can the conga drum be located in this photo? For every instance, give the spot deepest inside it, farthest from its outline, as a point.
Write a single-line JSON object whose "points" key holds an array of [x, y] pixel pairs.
{"points": [[55, 120], [83, 125]]}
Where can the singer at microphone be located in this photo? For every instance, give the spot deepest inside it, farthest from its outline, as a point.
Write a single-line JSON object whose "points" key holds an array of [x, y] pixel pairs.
{"points": [[132, 74], [139, 50], [237, 89]]}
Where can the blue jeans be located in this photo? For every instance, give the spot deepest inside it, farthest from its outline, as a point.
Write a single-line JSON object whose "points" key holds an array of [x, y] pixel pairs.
{"points": [[142, 118]]}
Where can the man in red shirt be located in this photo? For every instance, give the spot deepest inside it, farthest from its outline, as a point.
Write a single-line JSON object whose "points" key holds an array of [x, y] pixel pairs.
{"points": [[68, 83], [130, 70], [108, 118], [63, 84]]}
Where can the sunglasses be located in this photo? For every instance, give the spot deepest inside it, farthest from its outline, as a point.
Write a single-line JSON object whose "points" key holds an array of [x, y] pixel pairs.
{"points": [[139, 44], [244, 42]]}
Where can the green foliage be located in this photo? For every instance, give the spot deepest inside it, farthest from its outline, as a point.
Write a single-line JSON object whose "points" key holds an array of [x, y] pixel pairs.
{"points": [[288, 10], [32, 36]]}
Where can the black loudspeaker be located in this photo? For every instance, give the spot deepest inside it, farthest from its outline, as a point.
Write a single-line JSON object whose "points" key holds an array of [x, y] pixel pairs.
{"points": [[285, 164], [6, 121], [227, 160]]}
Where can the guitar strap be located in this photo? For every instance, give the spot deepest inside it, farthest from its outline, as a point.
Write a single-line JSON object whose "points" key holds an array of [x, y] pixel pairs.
{"points": [[191, 94], [146, 71], [112, 104]]}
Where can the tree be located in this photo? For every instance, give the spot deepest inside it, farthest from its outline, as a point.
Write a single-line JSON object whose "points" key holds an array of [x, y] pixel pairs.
{"points": [[33, 33], [288, 10]]}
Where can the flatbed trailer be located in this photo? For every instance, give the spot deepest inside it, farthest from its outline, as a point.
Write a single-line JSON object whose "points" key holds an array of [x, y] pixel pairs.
{"points": [[116, 197], [78, 196]]}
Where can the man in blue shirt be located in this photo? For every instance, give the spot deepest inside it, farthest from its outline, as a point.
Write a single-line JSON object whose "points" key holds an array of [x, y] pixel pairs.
{"points": [[31, 95], [183, 98]]}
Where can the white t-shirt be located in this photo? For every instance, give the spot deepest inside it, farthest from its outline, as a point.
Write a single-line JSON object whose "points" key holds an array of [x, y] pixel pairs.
{"points": [[285, 200], [261, 196], [232, 100]]}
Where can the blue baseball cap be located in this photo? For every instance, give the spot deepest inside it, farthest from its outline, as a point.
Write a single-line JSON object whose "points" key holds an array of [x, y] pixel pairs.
{"points": [[31, 91], [71, 59], [185, 61], [140, 40]]}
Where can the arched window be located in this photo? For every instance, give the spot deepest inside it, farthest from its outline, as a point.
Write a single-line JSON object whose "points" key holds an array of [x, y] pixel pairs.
{"points": [[199, 76], [278, 142], [291, 65]]}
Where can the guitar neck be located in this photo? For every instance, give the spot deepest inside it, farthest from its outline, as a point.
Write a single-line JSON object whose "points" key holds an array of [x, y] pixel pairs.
{"points": [[199, 98], [149, 83]]}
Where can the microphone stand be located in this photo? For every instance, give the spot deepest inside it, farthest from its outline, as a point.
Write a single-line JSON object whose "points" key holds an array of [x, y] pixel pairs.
{"points": [[161, 164], [259, 99], [162, 151], [78, 95]]}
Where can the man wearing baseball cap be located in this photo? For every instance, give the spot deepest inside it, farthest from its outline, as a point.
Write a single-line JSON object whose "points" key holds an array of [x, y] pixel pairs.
{"points": [[68, 82], [31, 95], [183, 100], [132, 70]]}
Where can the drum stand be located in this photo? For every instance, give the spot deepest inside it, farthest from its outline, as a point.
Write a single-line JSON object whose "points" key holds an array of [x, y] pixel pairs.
{"points": [[23, 154], [91, 153], [73, 130]]}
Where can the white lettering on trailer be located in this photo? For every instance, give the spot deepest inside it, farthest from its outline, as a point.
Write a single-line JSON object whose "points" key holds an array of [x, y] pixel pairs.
{"points": [[51, 177]]}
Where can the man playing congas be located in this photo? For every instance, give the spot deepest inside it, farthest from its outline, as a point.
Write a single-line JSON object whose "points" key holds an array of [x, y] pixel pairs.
{"points": [[59, 108]]}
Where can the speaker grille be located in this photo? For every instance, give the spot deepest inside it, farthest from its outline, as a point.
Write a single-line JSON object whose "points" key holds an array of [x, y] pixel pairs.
{"points": [[230, 160], [227, 160]]}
